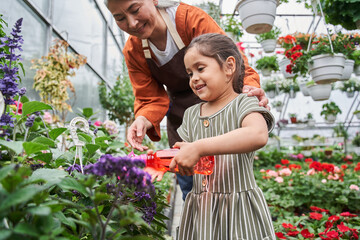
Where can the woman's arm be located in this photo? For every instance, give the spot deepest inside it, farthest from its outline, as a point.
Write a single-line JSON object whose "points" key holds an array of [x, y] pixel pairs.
{"points": [[251, 136]]}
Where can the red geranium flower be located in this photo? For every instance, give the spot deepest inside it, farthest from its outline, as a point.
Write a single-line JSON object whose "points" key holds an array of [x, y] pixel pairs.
{"points": [[285, 161], [315, 209], [328, 225], [293, 233], [278, 166], [251, 55], [306, 234], [333, 218], [347, 214], [308, 160], [280, 235], [288, 226], [342, 227], [316, 216], [333, 234]]}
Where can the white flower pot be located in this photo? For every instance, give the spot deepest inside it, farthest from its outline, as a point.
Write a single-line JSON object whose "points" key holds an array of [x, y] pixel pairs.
{"points": [[306, 153], [357, 70], [350, 94], [311, 122], [320, 92], [282, 64], [330, 119], [266, 72], [268, 45], [327, 68], [348, 69], [271, 94], [257, 16], [292, 94], [278, 108], [304, 89]]}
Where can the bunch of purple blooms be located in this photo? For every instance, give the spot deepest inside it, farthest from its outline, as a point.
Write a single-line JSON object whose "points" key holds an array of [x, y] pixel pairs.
{"points": [[126, 169], [8, 82]]}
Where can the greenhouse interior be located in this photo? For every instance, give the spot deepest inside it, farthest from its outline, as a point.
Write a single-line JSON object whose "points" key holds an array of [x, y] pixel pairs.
{"points": [[71, 94]]}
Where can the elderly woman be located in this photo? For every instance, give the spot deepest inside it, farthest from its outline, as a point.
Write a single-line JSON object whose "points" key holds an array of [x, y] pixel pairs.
{"points": [[159, 33]]}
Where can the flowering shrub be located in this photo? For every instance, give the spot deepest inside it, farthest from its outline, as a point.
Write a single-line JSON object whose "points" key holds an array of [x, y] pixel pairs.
{"points": [[319, 224]]}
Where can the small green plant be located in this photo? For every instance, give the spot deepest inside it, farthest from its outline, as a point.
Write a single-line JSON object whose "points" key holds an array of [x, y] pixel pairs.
{"points": [[309, 116], [277, 104], [233, 25], [356, 140], [356, 57], [356, 112], [330, 109], [351, 85], [292, 115], [267, 63], [270, 85], [274, 33]]}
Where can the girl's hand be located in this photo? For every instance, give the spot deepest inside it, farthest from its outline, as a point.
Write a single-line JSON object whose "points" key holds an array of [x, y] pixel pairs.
{"points": [[185, 159], [155, 174], [137, 131], [259, 93]]}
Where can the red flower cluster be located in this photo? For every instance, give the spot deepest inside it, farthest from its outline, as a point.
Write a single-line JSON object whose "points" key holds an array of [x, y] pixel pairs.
{"points": [[328, 167], [333, 229], [357, 167]]}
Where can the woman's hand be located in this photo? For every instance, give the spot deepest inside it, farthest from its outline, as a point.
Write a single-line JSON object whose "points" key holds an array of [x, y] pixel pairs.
{"points": [[137, 131], [185, 159], [259, 93]]}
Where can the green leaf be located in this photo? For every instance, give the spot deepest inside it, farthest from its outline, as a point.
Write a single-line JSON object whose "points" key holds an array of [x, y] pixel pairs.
{"points": [[100, 197], [4, 234], [20, 196], [92, 148], [56, 132], [65, 220], [84, 137], [45, 141], [51, 176], [40, 211], [16, 146], [24, 99], [34, 106], [32, 147], [139, 237], [71, 184], [5, 171], [45, 157], [88, 112]]}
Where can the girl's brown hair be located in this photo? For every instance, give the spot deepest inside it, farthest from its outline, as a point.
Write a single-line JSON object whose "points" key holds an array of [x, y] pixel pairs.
{"points": [[220, 47]]}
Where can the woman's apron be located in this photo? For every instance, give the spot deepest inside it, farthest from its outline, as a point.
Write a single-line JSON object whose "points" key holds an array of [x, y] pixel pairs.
{"points": [[174, 77]]}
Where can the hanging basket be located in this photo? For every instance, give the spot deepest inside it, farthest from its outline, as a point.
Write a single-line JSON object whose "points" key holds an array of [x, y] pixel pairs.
{"points": [[348, 69], [350, 94], [266, 72], [304, 89], [327, 68], [257, 16], [320, 92], [268, 45], [282, 64], [357, 70], [271, 94]]}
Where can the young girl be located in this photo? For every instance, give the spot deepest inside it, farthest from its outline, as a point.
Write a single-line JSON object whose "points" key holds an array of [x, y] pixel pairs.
{"points": [[227, 204]]}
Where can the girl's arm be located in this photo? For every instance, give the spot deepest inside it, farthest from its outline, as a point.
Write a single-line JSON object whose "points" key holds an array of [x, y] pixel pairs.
{"points": [[252, 135]]}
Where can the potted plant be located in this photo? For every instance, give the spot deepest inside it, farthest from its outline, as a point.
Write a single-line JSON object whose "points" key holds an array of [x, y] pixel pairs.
{"points": [[319, 92], [289, 86], [293, 117], [268, 40], [282, 122], [350, 87], [348, 17], [356, 57], [270, 88], [330, 111], [257, 16], [327, 59], [328, 151], [277, 105], [357, 114], [310, 120], [267, 64], [232, 27]]}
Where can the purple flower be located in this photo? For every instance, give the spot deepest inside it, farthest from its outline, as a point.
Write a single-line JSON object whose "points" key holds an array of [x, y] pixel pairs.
{"points": [[73, 168], [7, 120], [30, 121], [8, 83], [22, 91]]}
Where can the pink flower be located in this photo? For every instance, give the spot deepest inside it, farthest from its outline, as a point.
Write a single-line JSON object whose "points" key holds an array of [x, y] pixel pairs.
{"points": [[285, 172], [48, 118], [354, 187], [335, 177], [279, 179], [311, 172], [300, 156], [98, 123], [323, 181], [262, 170], [337, 169], [272, 173]]}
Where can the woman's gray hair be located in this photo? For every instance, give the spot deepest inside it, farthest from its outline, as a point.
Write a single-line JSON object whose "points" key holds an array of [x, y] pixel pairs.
{"points": [[161, 3]]}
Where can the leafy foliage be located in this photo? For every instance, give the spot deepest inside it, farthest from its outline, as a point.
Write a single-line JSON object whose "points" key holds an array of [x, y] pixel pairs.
{"points": [[346, 17], [330, 109], [267, 62], [272, 34]]}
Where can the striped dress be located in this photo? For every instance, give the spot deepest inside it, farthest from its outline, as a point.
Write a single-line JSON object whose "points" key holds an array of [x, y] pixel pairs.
{"points": [[226, 204]]}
